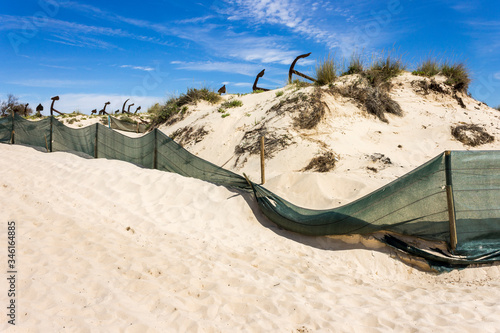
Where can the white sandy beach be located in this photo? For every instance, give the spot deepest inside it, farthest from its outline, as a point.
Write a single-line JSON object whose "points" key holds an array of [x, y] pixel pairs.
{"points": [[106, 246]]}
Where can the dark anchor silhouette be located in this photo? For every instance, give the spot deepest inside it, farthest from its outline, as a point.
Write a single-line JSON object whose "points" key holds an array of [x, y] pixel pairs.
{"points": [[222, 90], [123, 107], [293, 71], [261, 74], [138, 108], [117, 111], [39, 110], [93, 111], [103, 111], [55, 98], [128, 110]]}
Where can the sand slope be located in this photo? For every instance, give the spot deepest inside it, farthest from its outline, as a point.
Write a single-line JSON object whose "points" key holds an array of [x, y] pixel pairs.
{"points": [[106, 246]]}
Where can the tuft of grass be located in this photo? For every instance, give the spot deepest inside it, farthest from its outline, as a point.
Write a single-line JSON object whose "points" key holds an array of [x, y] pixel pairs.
{"points": [[279, 93], [428, 68], [356, 65], [232, 104], [382, 70], [221, 110], [225, 115], [457, 76], [326, 71], [193, 95]]}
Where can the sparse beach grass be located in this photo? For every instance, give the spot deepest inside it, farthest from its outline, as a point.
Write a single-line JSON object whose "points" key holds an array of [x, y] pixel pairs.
{"points": [[428, 68], [383, 69], [356, 65], [326, 71], [457, 76]]}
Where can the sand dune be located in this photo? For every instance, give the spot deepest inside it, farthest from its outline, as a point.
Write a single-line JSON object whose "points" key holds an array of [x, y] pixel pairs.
{"points": [[106, 246]]}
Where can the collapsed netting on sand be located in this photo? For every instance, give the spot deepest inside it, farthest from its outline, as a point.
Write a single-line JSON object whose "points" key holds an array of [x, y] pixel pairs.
{"points": [[452, 200]]}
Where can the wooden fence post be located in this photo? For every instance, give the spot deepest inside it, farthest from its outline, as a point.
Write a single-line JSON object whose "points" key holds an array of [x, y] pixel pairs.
{"points": [[451, 204], [95, 141], [155, 154], [12, 139], [262, 161]]}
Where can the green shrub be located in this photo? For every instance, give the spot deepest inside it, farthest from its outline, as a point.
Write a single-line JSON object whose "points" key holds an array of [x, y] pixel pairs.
{"points": [[457, 76], [193, 95], [225, 115], [162, 113], [326, 71], [221, 110], [429, 68], [356, 65], [383, 70], [279, 93], [232, 104]]}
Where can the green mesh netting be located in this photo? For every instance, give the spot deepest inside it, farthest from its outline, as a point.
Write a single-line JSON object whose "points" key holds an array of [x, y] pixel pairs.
{"points": [[5, 129], [113, 145], [33, 133], [73, 139], [415, 205], [127, 126]]}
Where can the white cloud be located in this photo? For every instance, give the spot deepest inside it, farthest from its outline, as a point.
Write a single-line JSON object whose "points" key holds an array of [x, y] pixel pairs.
{"points": [[289, 13], [497, 76], [243, 84], [141, 68], [53, 83], [225, 67]]}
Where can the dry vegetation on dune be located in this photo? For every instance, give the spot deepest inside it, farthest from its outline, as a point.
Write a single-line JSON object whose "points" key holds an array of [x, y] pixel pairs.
{"points": [[471, 135]]}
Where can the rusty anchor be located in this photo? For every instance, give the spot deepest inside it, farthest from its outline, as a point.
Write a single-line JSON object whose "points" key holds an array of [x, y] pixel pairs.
{"points": [[222, 90], [55, 98], [123, 107], [138, 108], [128, 110], [39, 110], [261, 74], [103, 111], [293, 71]]}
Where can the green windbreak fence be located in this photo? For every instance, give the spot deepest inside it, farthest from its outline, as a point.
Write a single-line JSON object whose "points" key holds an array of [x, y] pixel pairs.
{"points": [[454, 199], [127, 126]]}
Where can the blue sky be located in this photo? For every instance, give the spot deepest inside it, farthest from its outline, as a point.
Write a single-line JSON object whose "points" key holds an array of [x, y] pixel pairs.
{"points": [[89, 52]]}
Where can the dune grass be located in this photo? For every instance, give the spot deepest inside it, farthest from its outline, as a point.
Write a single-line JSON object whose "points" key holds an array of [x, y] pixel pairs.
{"points": [[383, 69], [326, 71], [232, 104], [356, 65], [428, 68], [193, 95], [457, 76], [161, 113]]}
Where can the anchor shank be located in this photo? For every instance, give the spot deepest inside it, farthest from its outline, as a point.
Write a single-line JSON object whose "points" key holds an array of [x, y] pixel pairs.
{"points": [[304, 76]]}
